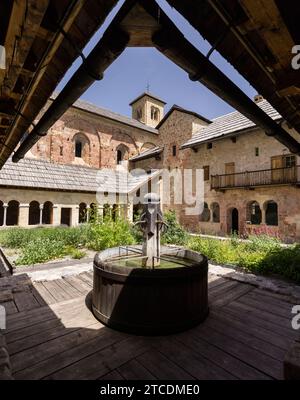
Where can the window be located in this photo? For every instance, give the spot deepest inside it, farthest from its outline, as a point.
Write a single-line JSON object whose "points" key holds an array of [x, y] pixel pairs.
{"points": [[271, 213], [78, 148], [256, 151], [154, 113], [206, 172], [289, 161], [174, 150], [254, 213], [61, 152], [215, 212], [209, 146], [139, 114], [205, 216], [119, 156]]}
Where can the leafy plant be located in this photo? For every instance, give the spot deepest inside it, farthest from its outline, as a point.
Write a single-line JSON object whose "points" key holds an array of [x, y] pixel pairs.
{"points": [[174, 233]]}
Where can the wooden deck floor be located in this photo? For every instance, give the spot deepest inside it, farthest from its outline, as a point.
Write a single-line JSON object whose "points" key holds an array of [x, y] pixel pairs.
{"points": [[52, 334]]}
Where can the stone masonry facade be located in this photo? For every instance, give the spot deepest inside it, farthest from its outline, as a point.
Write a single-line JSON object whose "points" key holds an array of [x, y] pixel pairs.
{"points": [[95, 138]]}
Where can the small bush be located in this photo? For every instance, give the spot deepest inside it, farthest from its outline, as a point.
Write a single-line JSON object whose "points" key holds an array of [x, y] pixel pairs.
{"points": [[173, 233], [41, 250], [110, 234]]}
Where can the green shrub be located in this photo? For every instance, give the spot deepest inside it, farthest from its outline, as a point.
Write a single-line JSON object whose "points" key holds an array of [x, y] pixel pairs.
{"points": [[76, 254], [173, 233], [41, 250], [110, 234]]}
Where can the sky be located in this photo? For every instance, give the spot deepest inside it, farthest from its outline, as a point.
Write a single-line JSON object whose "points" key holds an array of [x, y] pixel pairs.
{"points": [[136, 68]]}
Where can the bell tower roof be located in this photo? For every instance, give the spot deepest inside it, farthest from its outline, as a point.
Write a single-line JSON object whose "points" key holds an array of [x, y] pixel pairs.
{"points": [[146, 94]]}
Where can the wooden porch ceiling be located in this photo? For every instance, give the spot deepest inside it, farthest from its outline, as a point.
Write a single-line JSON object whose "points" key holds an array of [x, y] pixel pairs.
{"points": [[256, 37], [37, 56]]}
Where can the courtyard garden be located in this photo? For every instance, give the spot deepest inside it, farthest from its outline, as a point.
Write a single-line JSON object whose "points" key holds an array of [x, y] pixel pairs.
{"points": [[260, 254]]}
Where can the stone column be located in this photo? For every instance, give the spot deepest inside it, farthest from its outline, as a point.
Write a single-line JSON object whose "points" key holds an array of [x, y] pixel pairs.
{"points": [[88, 211], [130, 211], [75, 216], [24, 215], [4, 214], [56, 215], [100, 212], [41, 213]]}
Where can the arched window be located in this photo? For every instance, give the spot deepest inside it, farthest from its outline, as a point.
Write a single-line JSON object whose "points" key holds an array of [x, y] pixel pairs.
{"points": [[93, 212], [139, 114], [215, 212], [81, 147], [48, 213], [205, 216], [34, 213], [122, 152], [271, 213], [254, 213], [154, 113], [119, 156], [82, 213], [106, 211], [12, 213], [1, 214], [78, 148]]}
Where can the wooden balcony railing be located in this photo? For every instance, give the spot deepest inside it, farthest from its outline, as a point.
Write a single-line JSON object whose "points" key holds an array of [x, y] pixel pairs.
{"points": [[264, 177]]}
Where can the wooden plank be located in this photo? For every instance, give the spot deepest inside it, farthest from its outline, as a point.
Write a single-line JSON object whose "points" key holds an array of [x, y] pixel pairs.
{"points": [[38, 296], [222, 288], [78, 284], [105, 360], [112, 376], [255, 358], [33, 317], [85, 279], [134, 370], [246, 324], [193, 363], [216, 282], [44, 293], [268, 307], [233, 331], [72, 292], [234, 293], [263, 296], [82, 317], [56, 291], [25, 301], [224, 360], [10, 307], [268, 322], [161, 367]]}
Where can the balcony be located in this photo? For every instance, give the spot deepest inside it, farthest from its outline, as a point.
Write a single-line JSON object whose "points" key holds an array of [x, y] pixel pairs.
{"points": [[263, 177]]}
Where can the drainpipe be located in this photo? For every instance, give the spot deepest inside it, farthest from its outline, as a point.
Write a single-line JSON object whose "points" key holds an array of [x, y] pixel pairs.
{"points": [[112, 44], [174, 46]]}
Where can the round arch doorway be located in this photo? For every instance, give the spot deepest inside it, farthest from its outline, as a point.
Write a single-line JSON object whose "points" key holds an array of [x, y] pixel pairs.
{"points": [[233, 221]]}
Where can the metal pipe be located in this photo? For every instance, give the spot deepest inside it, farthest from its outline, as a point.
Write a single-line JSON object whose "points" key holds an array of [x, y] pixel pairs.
{"points": [[112, 44], [170, 41]]}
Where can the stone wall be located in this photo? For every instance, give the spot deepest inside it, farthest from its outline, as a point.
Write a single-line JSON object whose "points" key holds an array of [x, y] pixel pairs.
{"points": [[102, 138]]}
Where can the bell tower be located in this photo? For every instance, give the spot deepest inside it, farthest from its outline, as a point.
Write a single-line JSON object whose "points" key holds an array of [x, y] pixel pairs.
{"points": [[148, 109]]}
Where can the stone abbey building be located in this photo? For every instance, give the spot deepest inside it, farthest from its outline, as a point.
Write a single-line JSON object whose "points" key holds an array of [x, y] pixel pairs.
{"points": [[251, 180]]}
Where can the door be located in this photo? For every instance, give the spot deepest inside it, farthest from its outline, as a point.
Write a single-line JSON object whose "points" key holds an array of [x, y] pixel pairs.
{"points": [[234, 221], [229, 172], [277, 171], [65, 216]]}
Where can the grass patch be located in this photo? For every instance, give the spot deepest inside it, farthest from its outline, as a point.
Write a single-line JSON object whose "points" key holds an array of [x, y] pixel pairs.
{"points": [[261, 254], [41, 245]]}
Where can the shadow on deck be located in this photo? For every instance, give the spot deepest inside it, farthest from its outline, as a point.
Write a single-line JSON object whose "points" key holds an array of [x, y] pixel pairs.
{"points": [[52, 334]]}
